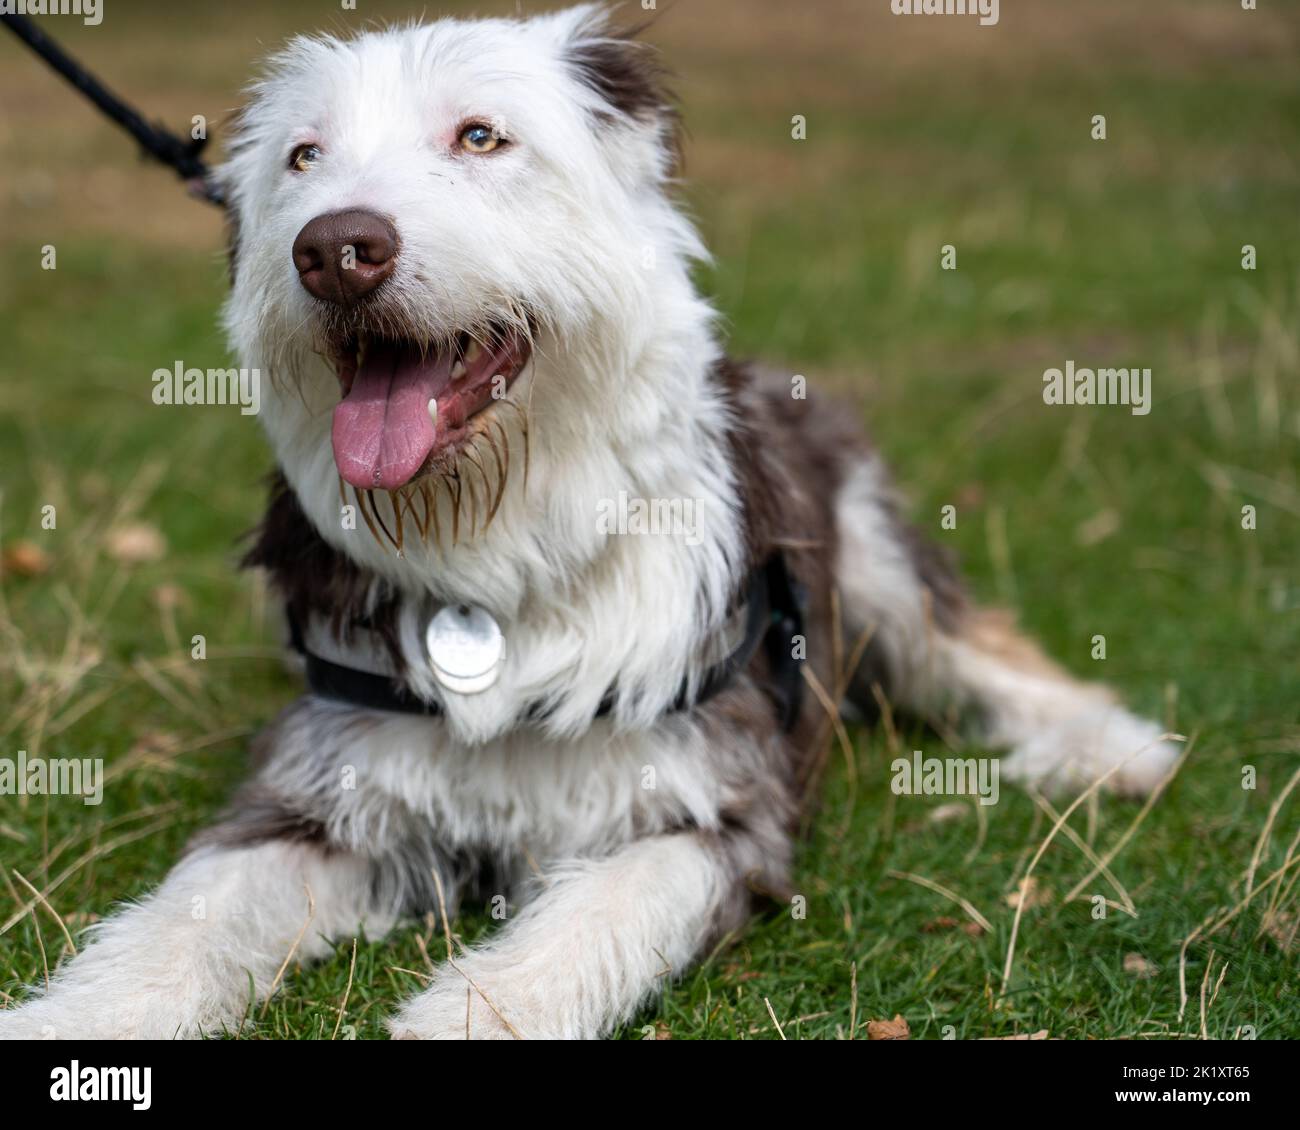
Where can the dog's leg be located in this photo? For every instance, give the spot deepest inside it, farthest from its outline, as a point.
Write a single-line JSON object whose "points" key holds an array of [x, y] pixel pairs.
{"points": [[191, 958], [598, 940], [945, 662]]}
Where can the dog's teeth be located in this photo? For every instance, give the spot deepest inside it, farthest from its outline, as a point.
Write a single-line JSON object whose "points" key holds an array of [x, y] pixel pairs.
{"points": [[458, 370], [362, 344], [433, 412], [473, 352]]}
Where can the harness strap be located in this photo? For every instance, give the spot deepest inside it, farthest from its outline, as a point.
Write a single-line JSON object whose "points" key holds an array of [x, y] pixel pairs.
{"points": [[773, 617]]}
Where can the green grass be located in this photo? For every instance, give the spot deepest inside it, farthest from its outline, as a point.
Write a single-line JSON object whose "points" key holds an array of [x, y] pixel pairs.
{"points": [[1120, 252]]}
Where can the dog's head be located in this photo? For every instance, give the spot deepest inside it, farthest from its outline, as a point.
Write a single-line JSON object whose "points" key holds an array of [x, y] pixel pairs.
{"points": [[422, 214]]}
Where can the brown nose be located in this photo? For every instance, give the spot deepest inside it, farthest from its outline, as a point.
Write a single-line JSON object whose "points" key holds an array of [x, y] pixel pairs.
{"points": [[343, 256]]}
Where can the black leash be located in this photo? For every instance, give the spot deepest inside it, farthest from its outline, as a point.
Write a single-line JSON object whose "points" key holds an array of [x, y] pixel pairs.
{"points": [[159, 143], [773, 617]]}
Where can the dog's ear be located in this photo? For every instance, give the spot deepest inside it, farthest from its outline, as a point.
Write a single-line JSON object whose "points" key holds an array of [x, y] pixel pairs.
{"points": [[628, 76]]}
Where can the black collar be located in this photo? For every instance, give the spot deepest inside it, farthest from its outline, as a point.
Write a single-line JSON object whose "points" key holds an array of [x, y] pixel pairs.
{"points": [[773, 618]]}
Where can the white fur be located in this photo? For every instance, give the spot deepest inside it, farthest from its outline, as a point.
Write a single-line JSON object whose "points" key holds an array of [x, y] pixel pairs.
{"points": [[178, 963], [878, 583], [525, 793], [1074, 751]]}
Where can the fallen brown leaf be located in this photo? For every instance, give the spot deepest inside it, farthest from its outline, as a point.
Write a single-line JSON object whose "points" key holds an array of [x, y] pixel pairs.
{"points": [[940, 924], [895, 1029], [24, 559], [945, 922]]}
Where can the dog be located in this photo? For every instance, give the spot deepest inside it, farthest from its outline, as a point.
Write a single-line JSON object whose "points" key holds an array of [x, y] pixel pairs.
{"points": [[455, 251]]}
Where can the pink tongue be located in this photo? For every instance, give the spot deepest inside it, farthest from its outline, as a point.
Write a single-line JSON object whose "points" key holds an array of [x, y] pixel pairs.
{"points": [[382, 432]]}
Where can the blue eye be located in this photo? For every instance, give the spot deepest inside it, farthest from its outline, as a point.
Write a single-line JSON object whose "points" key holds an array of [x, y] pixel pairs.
{"points": [[479, 138], [302, 157]]}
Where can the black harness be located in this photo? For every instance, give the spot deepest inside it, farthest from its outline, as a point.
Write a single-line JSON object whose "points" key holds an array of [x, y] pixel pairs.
{"points": [[773, 621]]}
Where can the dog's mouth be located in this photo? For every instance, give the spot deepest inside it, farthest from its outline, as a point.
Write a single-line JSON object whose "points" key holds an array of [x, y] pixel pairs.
{"points": [[406, 403]]}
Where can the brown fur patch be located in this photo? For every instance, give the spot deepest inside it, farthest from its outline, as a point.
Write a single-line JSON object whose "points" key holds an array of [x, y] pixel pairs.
{"points": [[790, 456], [631, 79], [993, 631], [315, 578]]}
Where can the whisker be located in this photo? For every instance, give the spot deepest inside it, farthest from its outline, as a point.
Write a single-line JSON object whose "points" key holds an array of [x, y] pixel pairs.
{"points": [[437, 526], [359, 495], [453, 486], [423, 492], [472, 491], [374, 505], [501, 468], [487, 487], [395, 500]]}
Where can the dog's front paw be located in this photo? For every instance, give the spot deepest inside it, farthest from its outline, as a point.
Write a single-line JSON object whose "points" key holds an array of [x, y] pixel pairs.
{"points": [[1070, 755], [453, 1009]]}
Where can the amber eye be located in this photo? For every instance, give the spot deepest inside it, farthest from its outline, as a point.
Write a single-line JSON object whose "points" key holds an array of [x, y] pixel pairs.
{"points": [[478, 138], [303, 157]]}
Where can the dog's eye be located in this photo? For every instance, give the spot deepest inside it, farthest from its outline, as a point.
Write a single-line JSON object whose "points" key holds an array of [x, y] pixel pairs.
{"points": [[478, 138], [303, 157]]}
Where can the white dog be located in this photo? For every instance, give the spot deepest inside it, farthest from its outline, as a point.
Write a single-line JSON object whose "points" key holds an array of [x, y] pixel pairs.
{"points": [[454, 251]]}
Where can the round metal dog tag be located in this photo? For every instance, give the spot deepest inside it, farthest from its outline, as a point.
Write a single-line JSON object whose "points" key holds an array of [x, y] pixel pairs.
{"points": [[465, 647]]}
